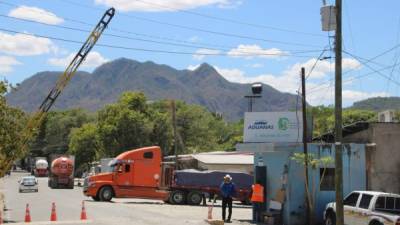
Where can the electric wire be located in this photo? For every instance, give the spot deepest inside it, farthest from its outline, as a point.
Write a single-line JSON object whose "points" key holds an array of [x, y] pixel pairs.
{"points": [[231, 35], [185, 43], [233, 21], [138, 49], [242, 52]]}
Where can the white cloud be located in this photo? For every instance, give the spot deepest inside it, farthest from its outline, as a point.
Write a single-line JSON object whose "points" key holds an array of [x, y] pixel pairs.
{"points": [[194, 39], [350, 95], [193, 67], [289, 81], [25, 45], [252, 51], [162, 5], [255, 65], [36, 14], [92, 60], [200, 54], [6, 64]]}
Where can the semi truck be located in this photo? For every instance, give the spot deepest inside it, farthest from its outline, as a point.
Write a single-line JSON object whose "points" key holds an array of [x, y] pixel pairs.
{"points": [[140, 173], [41, 167], [62, 172]]}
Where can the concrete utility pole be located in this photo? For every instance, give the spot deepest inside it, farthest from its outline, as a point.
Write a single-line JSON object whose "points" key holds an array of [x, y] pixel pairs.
{"points": [[338, 115], [305, 150]]}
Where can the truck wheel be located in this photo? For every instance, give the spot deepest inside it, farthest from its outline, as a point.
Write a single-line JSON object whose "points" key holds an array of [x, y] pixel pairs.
{"points": [[194, 198], [330, 219], [178, 197], [106, 194], [375, 223]]}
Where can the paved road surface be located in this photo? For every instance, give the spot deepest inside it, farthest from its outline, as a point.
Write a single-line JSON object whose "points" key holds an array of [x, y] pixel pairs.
{"points": [[120, 211]]}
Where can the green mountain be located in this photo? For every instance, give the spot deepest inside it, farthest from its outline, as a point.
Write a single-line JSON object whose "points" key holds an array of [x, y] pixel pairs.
{"points": [[204, 86], [378, 103]]}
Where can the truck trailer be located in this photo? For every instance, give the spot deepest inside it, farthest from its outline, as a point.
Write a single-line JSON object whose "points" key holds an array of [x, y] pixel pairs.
{"points": [[62, 172], [41, 167], [141, 173]]}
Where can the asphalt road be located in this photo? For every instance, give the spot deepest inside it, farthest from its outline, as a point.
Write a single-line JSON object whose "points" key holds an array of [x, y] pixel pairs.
{"points": [[119, 211]]}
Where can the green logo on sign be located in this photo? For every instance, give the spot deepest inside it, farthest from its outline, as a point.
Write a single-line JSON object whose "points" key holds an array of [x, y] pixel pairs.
{"points": [[283, 123]]}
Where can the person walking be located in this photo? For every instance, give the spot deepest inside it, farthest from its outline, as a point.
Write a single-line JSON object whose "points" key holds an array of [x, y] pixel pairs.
{"points": [[228, 191]]}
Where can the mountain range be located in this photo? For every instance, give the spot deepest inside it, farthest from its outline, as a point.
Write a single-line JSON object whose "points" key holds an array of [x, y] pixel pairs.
{"points": [[203, 86]]}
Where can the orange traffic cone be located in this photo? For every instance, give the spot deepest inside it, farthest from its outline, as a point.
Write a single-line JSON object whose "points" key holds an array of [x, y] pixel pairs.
{"points": [[53, 216], [27, 214], [83, 213], [210, 208]]}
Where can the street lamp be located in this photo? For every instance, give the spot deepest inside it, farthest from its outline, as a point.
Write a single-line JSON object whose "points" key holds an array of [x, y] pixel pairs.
{"points": [[256, 89]]}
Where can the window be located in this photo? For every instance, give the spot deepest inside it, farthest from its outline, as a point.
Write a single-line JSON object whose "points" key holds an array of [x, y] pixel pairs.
{"points": [[328, 179], [380, 203], [397, 205], [365, 200], [351, 200], [148, 155], [389, 203], [127, 168]]}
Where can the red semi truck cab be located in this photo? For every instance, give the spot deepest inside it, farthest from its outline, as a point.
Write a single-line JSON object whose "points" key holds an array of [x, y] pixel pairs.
{"points": [[135, 174]]}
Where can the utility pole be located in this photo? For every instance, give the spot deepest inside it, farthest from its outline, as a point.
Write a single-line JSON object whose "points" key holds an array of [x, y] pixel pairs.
{"points": [[305, 150], [173, 109], [338, 115]]}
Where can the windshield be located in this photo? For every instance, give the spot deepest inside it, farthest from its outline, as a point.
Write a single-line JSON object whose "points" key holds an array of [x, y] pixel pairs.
{"points": [[28, 180]]}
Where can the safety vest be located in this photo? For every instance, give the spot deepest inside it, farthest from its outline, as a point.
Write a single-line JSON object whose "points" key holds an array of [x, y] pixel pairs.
{"points": [[258, 193]]}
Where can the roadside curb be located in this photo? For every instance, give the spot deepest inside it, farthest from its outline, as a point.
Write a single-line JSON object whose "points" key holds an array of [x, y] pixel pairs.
{"points": [[57, 222]]}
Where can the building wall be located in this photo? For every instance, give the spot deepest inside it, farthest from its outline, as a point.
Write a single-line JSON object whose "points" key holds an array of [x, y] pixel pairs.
{"points": [[383, 157], [227, 167], [278, 158]]}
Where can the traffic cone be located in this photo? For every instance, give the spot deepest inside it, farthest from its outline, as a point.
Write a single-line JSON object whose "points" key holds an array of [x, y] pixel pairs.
{"points": [[53, 216], [83, 212], [27, 214]]}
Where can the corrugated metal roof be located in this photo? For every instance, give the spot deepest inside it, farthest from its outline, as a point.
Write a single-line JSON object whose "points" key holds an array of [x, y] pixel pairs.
{"points": [[225, 159]]}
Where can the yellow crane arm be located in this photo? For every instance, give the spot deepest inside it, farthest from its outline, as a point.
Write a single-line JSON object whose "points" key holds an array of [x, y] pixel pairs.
{"points": [[36, 119]]}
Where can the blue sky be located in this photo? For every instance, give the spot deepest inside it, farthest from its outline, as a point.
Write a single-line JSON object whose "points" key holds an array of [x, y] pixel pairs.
{"points": [[257, 41]]}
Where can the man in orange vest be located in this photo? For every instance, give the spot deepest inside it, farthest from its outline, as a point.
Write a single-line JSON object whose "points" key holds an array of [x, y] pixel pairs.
{"points": [[258, 193], [258, 199]]}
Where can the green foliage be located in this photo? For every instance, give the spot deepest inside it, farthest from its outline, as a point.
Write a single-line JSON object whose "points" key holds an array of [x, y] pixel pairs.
{"points": [[313, 160], [324, 118], [54, 132], [84, 144], [133, 122], [12, 122]]}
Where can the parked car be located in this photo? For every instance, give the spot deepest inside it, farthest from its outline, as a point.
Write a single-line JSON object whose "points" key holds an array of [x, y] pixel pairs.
{"points": [[366, 208], [29, 183]]}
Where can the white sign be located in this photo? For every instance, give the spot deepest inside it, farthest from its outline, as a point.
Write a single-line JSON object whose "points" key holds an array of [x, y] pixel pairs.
{"points": [[273, 127]]}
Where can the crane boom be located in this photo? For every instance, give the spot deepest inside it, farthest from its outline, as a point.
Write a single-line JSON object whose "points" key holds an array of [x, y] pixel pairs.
{"points": [[36, 119]]}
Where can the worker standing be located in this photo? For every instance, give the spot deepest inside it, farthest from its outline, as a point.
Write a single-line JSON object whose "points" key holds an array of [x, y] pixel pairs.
{"points": [[227, 192]]}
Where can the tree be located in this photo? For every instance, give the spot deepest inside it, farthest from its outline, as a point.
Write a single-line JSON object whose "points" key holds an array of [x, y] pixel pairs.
{"points": [[54, 133], [84, 144], [122, 126], [314, 163], [12, 122]]}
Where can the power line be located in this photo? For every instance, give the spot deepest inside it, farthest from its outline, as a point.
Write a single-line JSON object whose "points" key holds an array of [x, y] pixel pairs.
{"points": [[373, 69], [231, 35], [366, 61], [230, 20], [138, 49], [315, 64], [242, 52], [186, 43], [316, 88]]}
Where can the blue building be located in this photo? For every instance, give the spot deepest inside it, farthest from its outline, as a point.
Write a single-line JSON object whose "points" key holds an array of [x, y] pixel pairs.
{"points": [[285, 177]]}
